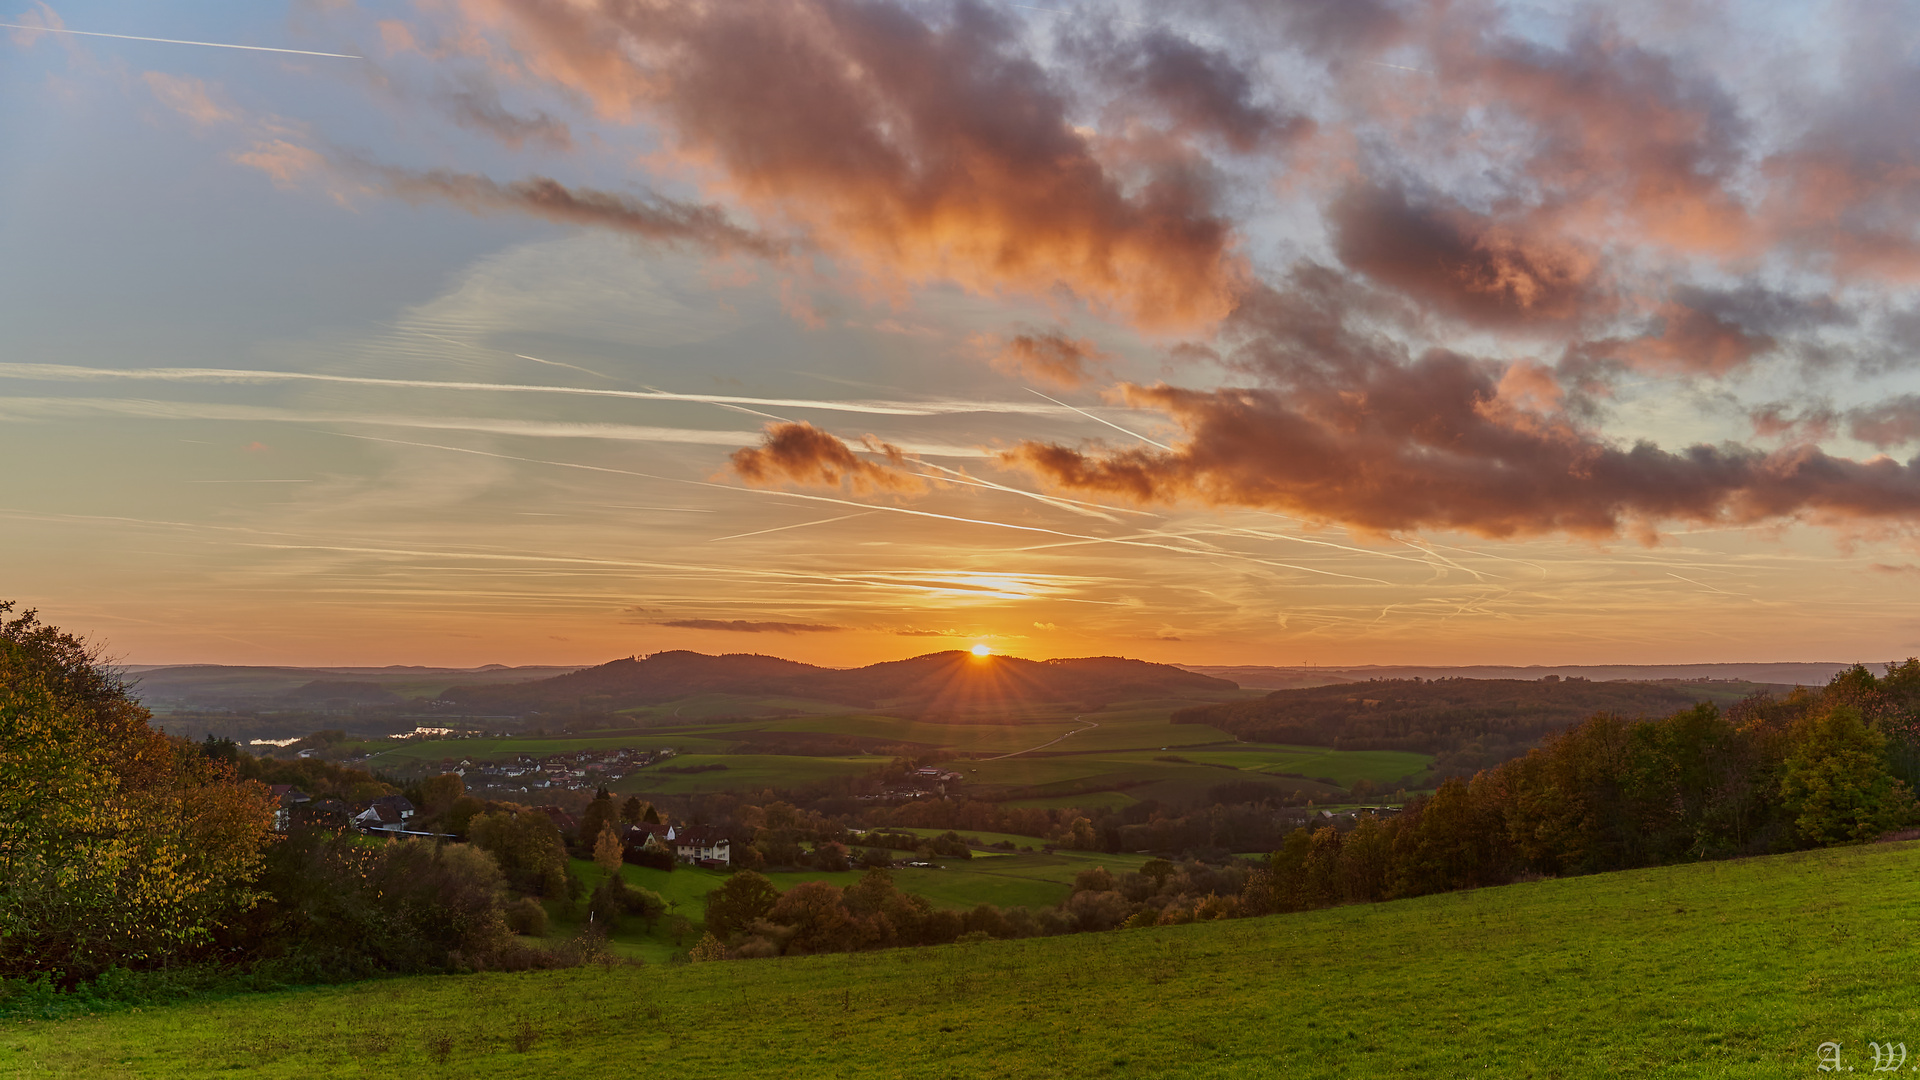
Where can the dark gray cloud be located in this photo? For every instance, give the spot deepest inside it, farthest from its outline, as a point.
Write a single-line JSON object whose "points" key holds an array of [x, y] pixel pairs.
{"points": [[476, 104]]}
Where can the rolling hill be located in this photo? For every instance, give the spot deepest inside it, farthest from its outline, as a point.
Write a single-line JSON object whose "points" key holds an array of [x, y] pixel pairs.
{"points": [[945, 683], [1442, 714]]}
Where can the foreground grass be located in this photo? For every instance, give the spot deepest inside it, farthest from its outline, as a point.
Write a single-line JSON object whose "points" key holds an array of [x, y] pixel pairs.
{"points": [[1731, 969]]}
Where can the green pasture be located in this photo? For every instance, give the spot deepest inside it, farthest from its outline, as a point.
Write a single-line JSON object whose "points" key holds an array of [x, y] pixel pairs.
{"points": [[704, 706], [685, 890], [411, 750], [1020, 879], [1341, 766], [1138, 726], [1015, 839], [960, 738], [1131, 726], [1141, 730], [743, 772], [1097, 800], [1069, 778], [1718, 970], [1023, 879]]}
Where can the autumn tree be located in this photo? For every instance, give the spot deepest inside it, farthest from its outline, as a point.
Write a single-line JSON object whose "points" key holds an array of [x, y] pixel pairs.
{"points": [[744, 897], [527, 845], [118, 844], [607, 849], [1836, 783], [817, 916], [437, 793]]}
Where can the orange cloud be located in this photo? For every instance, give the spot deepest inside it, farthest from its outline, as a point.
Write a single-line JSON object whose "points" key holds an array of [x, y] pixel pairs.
{"points": [[189, 97], [1050, 357], [803, 454], [286, 162]]}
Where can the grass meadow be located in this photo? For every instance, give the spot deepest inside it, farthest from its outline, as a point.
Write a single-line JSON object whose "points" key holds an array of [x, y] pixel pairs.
{"points": [[1728, 969], [740, 772]]}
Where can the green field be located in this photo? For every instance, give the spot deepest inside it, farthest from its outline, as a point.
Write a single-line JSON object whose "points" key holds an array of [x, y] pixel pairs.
{"points": [[1069, 779], [1095, 731], [1015, 839], [704, 706], [710, 740], [1022, 879], [1093, 760], [1098, 800], [1719, 970], [743, 772], [1341, 766]]}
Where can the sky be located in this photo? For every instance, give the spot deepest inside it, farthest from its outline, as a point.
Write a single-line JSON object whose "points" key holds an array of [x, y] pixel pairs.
{"points": [[1335, 332]]}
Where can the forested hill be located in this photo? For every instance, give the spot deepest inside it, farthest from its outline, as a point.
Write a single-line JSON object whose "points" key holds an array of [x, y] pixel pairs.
{"points": [[955, 682], [1441, 715]]}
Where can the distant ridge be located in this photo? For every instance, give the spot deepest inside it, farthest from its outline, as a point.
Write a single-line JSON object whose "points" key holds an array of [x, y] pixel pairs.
{"points": [[952, 681], [1253, 676]]}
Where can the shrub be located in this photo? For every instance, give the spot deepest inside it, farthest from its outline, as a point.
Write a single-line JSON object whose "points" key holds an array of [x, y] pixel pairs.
{"points": [[527, 916], [656, 860], [404, 906]]}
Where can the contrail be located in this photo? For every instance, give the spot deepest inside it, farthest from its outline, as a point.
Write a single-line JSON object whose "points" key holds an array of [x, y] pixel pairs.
{"points": [[556, 363], [177, 41], [784, 528], [238, 375], [1109, 423]]}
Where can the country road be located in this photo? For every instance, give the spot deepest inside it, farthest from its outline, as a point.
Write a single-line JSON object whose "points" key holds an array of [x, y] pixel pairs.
{"points": [[1091, 724]]}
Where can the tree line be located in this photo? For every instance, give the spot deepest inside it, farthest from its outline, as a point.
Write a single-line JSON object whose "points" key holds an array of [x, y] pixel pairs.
{"points": [[1771, 774]]}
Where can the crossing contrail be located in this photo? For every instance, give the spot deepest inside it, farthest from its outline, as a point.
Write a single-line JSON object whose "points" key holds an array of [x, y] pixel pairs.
{"points": [[176, 41]]}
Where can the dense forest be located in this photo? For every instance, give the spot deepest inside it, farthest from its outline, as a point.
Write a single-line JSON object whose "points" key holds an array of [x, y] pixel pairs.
{"points": [[1466, 723]]}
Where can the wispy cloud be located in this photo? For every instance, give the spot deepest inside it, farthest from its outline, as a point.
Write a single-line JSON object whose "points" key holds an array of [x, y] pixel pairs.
{"points": [[744, 626], [66, 373]]}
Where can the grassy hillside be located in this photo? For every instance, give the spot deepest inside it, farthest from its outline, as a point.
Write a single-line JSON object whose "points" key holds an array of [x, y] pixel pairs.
{"points": [[1731, 969]]}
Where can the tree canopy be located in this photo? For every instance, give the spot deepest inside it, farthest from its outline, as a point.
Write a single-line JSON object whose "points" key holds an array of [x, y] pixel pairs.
{"points": [[118, 844]]}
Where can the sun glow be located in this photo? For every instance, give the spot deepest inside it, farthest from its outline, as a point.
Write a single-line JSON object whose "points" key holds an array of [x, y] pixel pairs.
{"points": [[983, 650]]}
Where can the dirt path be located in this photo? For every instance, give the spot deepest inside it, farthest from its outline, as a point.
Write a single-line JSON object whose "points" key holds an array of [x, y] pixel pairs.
{"points": [[1091, 724]]}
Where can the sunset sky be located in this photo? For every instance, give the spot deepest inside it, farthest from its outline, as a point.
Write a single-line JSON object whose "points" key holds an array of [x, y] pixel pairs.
{"points": [[1331, 331]]}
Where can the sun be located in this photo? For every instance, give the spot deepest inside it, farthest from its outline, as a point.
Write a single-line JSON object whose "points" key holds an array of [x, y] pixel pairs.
{"points": [[983, 650]]}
